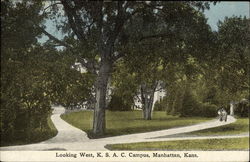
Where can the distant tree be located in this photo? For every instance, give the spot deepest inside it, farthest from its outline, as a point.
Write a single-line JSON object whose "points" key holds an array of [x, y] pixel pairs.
{"points": [[226, 76], [234, 59]]}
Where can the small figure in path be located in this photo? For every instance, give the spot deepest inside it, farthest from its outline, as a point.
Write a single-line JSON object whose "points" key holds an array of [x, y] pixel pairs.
{"points": [[222, 114]]}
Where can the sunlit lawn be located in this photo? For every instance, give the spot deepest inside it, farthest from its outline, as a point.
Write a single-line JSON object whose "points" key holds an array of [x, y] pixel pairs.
{"points": [[240, 126], [120, 122], [201, 144]]}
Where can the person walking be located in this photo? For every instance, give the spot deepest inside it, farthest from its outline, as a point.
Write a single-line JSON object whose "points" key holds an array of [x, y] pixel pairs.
{"points": [[224, 114], [220, 114]]}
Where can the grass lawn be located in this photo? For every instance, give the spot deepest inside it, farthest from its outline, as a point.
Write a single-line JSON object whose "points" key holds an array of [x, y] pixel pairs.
{"points": [[36, 135], [121, 122], [201, 144], [240, 126]]}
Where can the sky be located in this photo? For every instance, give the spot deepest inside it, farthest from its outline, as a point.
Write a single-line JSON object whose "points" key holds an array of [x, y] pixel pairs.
{"points": [[214, 14], [222, 9]]}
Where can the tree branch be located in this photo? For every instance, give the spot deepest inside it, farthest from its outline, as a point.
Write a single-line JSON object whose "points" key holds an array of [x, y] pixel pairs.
{"points": [[159, 89], [52, 37], [156, 36], [51, 6], [138, 98], [119, 22], [74, 20], [158, 7]]}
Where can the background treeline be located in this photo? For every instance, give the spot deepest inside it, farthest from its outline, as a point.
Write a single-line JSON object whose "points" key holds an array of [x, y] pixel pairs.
{"points": [[198, 83]]}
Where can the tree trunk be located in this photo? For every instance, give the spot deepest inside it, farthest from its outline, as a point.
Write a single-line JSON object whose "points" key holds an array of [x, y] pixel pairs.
{"points": [[99, 123], [147, 102], [148, 106]]}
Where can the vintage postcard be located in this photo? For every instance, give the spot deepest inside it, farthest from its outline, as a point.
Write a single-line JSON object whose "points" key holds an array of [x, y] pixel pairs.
{"points": [[124, 80]]}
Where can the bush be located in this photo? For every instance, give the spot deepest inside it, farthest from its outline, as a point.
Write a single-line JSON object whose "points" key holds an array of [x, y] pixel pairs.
{"points": [[192, 107], [242, 108], [27, 129], [208, 110], [160, 105]]}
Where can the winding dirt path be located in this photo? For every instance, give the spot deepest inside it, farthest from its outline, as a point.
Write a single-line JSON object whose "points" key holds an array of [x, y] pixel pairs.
{"points": [[71, 138]]}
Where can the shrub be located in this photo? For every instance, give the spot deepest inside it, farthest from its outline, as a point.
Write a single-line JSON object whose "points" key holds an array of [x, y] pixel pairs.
{"points": [[160, 105], [242, 108], [208, 110], [27, 128], [190, 105]]}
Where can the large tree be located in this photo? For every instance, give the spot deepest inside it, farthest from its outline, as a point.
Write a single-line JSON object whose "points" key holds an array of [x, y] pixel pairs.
{"points": [[99, 30]]}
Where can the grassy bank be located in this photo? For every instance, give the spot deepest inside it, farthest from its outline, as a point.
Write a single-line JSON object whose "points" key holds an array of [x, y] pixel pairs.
{"points": [[240, 126], [203, 144], [36, 135], [121, 122]]}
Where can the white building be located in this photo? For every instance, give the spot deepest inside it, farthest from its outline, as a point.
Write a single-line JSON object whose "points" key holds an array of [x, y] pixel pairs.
{"points": [[158, 96]]}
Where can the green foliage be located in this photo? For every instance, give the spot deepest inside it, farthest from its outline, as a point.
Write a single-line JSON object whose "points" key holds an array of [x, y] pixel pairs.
{"points": [[29, 135], [158, 106], [31, 86], [25, 105], [16, 18], [242, 109], [124, 88], [190, 105], [161, 105], [208, 110], [210, 96], [69, 87], [32, 76], [233, 57], [117, 103], [185, 102], [216, 80]]}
